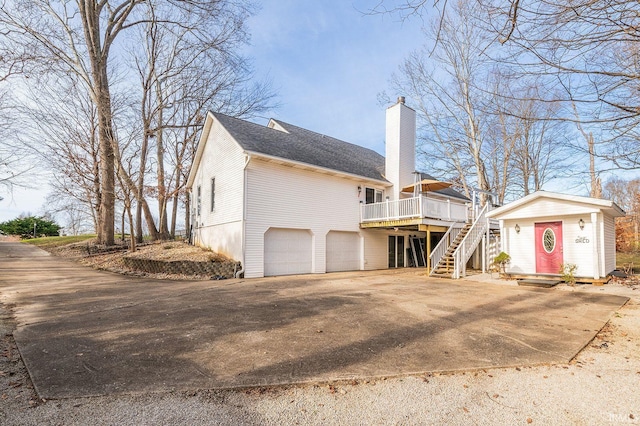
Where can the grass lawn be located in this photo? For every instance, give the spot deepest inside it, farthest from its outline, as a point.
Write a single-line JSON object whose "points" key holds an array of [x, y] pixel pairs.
{"points": [[624, 259], [50, 242]]}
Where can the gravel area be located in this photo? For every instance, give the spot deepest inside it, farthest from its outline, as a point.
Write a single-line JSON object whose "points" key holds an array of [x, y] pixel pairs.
{"points": [[599, 387]]}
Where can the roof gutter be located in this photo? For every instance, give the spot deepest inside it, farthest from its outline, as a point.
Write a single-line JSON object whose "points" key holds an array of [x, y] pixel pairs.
{"points": [[200, 148], [321, 169]]}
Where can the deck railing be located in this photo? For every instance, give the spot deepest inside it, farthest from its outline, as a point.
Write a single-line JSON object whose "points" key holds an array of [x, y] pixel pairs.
{"points": [[469, 243], [440, 249], [415, 207]]}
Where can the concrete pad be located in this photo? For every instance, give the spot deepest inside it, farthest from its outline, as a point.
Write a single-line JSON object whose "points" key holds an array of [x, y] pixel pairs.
{"points": [[539, 283], [84, 332]]}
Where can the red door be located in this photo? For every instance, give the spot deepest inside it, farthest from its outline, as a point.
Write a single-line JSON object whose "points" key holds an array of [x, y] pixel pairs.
{"points": [[548, 247]]}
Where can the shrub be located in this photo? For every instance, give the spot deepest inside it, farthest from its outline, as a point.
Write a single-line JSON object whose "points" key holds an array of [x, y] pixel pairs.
{"points": [[502, 260], [23, 226], [567, 271]]}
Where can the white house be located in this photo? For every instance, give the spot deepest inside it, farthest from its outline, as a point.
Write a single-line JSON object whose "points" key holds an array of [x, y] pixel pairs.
{"points": [[544, 230], [285, 200]]}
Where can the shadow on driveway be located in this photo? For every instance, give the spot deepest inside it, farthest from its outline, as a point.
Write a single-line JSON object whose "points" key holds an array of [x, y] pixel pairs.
{"points": [[82, 332]]}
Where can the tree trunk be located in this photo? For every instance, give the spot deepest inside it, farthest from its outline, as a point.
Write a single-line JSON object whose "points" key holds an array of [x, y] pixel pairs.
{"points": [[90, 15], [187, 215], [131, 186], [174, 207], [163, 227], [140, 190], [107, 169], [596, 186], [132, 237]]}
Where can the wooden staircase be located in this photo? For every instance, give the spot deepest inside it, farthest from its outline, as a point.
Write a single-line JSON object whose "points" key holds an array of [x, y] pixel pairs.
{"points": [[445, 266]]}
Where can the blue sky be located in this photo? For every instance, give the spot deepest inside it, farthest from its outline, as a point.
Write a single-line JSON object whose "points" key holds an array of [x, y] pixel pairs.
{"points": [[328, 61]]}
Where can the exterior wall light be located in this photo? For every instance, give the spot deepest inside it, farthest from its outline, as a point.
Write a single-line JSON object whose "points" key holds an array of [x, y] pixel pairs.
{"points": [[517, 228], [581, 224], [359, 190]]}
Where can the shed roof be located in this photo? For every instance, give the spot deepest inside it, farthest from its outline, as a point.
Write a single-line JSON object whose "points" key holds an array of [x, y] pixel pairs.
{"points": [[572, 203]]}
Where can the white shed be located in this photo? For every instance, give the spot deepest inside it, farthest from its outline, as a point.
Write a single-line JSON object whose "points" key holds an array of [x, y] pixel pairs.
{"points": [[544, 230]]}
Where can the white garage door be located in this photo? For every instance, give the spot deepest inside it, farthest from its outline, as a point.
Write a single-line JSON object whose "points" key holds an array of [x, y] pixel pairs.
{"points": [[287, 251], [343, 251]]}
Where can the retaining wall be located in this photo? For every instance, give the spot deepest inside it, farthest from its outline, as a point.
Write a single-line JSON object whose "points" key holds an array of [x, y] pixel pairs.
{"points": [[224, 269]]}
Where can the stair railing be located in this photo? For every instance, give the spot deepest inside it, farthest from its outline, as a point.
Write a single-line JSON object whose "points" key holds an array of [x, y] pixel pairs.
{"points": [[469, 243], [440, 249]]}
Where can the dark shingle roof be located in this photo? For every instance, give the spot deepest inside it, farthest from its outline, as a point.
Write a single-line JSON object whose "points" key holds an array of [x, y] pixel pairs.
{"points": [[305, 146], [312, 148]]}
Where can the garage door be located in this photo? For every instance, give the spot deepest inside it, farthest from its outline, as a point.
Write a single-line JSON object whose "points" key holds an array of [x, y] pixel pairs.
{"points": [[343, 251], [287, 251]]}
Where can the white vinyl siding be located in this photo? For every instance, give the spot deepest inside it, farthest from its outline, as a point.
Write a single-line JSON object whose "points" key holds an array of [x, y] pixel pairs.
{"points": [[213, 194], [219, 223], [281, 196], [287, 251], [592, 248], [609, 239], [545, 209], [343, 251], [522, 247], [376, 255]]}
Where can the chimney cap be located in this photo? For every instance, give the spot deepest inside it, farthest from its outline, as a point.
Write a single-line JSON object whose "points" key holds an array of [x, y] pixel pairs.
{"points": [[401, 100]]}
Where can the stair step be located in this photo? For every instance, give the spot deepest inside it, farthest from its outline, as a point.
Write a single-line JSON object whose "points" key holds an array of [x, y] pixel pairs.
{"points": [[439, 275], [446, 265]]}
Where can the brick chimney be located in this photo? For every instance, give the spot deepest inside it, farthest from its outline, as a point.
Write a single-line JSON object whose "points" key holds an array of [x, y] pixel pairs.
{"points": [[400, 161]]}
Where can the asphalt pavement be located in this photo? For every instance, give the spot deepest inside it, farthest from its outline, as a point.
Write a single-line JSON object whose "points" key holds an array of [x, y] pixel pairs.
{"points": [[83, 332]]}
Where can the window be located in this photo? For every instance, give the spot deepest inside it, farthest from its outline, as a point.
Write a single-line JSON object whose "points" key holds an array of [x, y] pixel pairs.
{"points": [[213, 193], [372, 195], [198, 200], [549, 240], [369, 195]]}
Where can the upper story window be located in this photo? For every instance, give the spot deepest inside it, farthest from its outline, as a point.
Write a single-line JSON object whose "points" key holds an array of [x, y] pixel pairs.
{"points": [[198, 200], [372, 195]]}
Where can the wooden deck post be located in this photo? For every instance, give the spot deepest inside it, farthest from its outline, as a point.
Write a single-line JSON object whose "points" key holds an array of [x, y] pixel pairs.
{"points": [[428, 250]]}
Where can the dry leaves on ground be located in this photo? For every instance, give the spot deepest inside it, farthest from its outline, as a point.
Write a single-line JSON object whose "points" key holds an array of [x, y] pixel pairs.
{"points": [[166, 251]]}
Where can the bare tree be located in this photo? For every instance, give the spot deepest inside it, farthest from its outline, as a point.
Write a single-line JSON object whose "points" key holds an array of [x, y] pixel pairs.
{"points": [[81, 37], [626, 193], [15, 163], [78, 37], [66, 139], [444, 83], [183, 72], [584, 52], [542, 147], [590, 50], [69, 212]]}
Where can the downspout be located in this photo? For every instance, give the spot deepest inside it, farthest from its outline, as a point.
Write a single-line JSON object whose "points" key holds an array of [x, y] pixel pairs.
{"points": [[244, 216]]}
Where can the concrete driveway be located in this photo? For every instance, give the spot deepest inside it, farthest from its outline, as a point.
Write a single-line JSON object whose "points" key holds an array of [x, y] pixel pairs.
{"points": [[83, 332]]}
